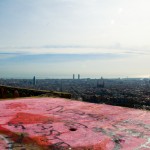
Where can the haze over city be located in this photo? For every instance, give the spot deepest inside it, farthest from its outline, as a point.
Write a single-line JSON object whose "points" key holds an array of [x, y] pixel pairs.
{"points": [[56, 38]]}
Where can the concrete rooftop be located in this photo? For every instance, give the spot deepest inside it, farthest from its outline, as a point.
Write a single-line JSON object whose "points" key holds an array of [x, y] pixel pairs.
{"points": [[55, 123]]}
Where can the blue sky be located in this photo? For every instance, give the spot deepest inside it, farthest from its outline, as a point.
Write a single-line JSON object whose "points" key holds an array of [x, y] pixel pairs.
{"points": [[56, 38]]}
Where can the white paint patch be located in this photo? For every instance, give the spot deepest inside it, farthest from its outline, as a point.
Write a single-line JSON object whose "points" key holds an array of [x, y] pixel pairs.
{"points": [[6, 141]]}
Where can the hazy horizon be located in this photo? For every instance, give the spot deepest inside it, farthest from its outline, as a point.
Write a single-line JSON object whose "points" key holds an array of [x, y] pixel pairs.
{"points": [[58, 38]]}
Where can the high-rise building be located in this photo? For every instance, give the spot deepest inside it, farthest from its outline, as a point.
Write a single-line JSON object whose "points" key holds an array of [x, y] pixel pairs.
{"points": [[61, 86], [34, 80], [73, 76], [100, 83], [78, 76]]}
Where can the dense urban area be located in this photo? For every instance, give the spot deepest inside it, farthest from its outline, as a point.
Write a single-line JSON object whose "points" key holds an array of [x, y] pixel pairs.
{"points": [[128, 92]]}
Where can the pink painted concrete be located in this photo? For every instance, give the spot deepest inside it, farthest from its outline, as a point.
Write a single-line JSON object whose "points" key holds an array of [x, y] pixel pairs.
{"points": [[55, 123]]}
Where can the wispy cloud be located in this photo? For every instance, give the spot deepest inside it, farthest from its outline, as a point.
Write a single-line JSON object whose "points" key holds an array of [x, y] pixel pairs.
{"points": [[116, 49], [57, 58]]}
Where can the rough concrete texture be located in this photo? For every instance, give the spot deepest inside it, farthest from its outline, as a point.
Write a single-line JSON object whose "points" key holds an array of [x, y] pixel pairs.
{"points": [[60, 124]]}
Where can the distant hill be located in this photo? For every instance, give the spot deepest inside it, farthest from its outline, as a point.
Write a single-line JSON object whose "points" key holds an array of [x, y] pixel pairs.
{"points": [[7, 92]]}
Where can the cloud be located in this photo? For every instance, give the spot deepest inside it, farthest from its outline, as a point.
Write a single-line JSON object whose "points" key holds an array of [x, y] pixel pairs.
{"points": [[56, 58], [116, 49]]}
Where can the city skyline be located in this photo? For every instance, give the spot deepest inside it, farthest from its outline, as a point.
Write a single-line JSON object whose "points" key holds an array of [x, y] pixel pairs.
{"points": [[56, 38]]}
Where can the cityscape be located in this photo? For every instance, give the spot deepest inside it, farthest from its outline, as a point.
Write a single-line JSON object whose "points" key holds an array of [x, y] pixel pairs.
{"points": [[128, 92]]}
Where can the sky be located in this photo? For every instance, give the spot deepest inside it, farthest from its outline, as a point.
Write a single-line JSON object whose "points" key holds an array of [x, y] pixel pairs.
{"points": [[58, 38]]}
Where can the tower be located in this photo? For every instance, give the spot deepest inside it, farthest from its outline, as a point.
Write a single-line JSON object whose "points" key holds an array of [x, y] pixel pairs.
{"points": [[78, 76], [34, 80], [61, 86], [73, 76], [100, 83]]}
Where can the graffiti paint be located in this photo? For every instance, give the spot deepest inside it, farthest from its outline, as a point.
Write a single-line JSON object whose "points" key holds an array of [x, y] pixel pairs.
{"points": [[55, 123]]}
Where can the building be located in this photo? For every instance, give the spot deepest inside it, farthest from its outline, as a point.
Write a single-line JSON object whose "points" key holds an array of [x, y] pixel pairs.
{"points": [[34, 80], [78, 76], [73, 76], [100, 83], [61, 86]]}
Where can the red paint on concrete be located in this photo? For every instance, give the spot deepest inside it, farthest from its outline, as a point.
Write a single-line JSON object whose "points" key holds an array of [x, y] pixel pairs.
{"points": [[55, 123], [27, 118]]}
